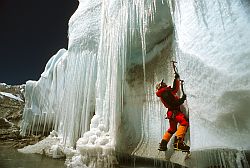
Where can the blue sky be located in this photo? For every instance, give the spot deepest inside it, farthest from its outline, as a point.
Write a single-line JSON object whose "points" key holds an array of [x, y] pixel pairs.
{"points": [[30, 33]]}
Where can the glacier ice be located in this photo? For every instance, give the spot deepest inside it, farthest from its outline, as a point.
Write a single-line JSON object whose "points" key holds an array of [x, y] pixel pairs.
{"points": [[99, 93]]}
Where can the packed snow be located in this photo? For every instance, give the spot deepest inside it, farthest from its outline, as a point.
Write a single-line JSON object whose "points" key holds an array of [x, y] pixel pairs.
{"points": [[99, 94], [10, 95]]}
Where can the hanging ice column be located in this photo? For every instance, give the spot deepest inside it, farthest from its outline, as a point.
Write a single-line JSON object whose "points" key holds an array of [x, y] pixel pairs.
{"points": [[123, 45], [64, 97]]}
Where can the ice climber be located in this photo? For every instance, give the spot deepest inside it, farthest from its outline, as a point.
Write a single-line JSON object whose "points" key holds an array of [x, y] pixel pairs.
{"points": [[172, 102]]}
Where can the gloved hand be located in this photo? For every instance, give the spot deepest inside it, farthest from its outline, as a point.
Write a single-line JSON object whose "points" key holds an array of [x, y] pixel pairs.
{"points": [[177, 75], [184, 96]]}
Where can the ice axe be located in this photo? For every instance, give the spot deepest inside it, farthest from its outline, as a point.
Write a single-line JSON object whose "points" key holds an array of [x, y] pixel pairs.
{"points": [[176, 72], [174, 66], [183, 93], [182, 88], [162, 81]]}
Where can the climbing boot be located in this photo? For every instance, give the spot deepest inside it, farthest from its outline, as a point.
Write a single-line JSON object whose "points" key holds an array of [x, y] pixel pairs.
{"points": [[163, 145], [180, 145]]}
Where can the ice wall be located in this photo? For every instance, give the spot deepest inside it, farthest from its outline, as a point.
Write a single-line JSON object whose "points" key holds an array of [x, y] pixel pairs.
{"points": [[214, 56], [117, 51]]}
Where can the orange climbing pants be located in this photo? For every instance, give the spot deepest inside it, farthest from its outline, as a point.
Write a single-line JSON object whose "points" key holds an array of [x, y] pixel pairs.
{"points": [[174, 119]]}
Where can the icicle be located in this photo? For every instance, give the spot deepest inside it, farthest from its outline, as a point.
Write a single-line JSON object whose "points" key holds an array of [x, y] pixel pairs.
{"points": [[200, 9], [221, 14]]}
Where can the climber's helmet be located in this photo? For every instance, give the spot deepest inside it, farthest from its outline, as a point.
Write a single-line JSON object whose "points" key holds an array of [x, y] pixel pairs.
{"points": [[160, 84]]}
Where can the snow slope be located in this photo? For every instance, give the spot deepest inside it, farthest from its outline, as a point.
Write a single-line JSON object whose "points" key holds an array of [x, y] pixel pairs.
{"points": [[11, 96]]}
